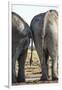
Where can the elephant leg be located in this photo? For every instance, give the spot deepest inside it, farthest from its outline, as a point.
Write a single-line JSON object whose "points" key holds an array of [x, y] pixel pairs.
{"points": [[21, 73], [55, 69], [45, 66], [14, 70], [46, 62]]}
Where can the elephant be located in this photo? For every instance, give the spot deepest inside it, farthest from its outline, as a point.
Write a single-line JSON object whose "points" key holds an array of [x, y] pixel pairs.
{"points": [[21, 34], [44, 28]]}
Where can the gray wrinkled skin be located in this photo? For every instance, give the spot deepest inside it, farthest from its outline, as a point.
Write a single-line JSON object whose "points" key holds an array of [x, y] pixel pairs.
{"points": [[45, 35], [20, 43]]}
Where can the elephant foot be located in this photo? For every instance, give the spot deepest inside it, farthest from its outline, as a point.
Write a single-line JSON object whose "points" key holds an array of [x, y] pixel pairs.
{"points": [[19, 80], [43, 78], [54, 78], [14, 80]]}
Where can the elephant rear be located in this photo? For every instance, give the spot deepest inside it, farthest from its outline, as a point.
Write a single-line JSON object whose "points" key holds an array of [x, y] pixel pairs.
{"points": [[44, 28], [20, 42]]}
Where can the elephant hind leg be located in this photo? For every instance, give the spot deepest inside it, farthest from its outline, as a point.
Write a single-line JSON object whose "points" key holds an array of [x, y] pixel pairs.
{"points": [[46, 61], [21, 62], [55, 69], [45, 66], [13, 70]]}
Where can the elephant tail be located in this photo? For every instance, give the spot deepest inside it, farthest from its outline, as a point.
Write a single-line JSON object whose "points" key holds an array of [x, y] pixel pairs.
{"points": [[31, 52], [31, 45]]}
